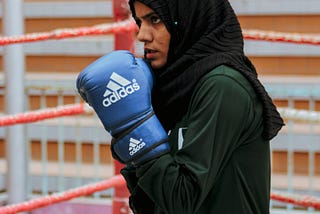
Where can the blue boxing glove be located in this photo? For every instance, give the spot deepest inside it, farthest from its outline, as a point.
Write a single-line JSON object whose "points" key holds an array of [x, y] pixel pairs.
{"points": [[118, 87]]}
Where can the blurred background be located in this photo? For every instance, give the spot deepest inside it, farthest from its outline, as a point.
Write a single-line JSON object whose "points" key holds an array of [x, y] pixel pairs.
{"points": [[40, 158]]}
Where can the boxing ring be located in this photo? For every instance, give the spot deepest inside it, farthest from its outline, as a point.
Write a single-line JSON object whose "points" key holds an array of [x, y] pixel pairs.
{"points": [[122, 28]]}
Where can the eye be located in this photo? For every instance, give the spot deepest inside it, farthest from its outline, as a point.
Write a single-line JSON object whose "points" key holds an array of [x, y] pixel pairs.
{"points": [[155, 19]]}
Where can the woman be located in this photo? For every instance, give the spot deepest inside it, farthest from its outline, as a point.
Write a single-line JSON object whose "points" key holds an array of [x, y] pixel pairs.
{"points": [[219, 117]]}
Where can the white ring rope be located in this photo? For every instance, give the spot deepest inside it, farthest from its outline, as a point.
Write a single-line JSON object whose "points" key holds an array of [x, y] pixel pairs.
{"points": [[295, 114]]}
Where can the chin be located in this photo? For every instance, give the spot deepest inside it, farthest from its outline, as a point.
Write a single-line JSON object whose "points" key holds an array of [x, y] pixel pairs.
{"points": [[157, 65]]}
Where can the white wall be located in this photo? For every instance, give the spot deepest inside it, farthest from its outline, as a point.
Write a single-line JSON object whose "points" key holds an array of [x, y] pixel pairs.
{"points": [[272, 7]]}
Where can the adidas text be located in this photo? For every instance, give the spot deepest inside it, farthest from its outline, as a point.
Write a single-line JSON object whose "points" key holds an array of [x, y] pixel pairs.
{"points": [[135, 146], [118, 88]]}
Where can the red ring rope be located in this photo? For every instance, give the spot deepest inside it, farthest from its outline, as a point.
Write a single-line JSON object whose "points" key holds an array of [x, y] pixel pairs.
{"points": [[304, 201], [121, 26], [129, 25], [38, 115], [273, 36], [115, 181]]}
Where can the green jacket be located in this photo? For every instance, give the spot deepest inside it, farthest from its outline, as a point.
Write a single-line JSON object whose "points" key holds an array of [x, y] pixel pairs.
{"points": [[219, 163]]}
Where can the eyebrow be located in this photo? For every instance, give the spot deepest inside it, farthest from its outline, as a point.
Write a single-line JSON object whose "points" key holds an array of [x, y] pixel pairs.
{"points": [[148, 15]]}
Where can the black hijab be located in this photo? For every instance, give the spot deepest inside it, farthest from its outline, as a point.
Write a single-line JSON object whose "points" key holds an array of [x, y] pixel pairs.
{"points": [[204, 35]]}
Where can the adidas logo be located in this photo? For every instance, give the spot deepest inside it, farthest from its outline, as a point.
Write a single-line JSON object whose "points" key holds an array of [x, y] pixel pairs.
{"points": [[135, 146], [118, 88]]}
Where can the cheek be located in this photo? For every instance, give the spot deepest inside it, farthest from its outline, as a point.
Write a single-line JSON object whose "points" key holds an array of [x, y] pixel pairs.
{"points": [[166, 41]]}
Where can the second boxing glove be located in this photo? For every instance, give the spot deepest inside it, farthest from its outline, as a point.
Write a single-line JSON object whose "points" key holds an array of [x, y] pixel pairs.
{"points": [[118, 87]]}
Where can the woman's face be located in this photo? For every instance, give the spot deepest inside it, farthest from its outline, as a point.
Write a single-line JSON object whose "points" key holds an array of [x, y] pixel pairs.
{"points": [[154, 34]]}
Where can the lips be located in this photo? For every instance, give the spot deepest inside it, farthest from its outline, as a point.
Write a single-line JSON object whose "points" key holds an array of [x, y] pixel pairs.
{"points": [[149, 53]]}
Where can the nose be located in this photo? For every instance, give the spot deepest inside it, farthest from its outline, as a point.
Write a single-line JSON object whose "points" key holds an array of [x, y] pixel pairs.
{"points": [[144, 34]]}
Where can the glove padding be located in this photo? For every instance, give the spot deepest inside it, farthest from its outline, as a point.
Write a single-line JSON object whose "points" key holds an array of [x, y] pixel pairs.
{"points": [[118, 87]]}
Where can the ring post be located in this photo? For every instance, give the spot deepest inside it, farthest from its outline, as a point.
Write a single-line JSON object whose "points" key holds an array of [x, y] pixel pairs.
{"points": [[123, 41], [14, 62]]}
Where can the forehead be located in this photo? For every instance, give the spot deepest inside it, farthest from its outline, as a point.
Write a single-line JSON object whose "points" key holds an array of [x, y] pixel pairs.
{"points": [[142, 10]]}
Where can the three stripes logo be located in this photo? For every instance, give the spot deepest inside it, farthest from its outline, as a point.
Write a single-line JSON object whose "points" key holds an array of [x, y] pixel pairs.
{"points": [[135, 145], [118, 88]]}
